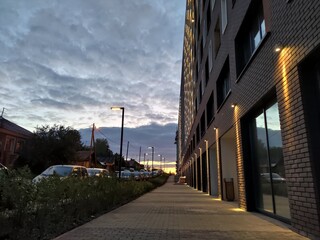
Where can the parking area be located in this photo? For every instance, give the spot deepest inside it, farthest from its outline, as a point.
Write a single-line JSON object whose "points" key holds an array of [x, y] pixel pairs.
{"points": [[176, 211]]}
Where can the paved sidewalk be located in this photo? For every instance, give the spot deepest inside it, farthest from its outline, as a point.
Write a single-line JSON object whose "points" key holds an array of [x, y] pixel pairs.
{"points": [[180, 212]]}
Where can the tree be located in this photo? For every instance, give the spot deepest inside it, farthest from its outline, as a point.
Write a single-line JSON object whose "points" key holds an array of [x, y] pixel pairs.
{"points": [[103, 148], [49, 146]]}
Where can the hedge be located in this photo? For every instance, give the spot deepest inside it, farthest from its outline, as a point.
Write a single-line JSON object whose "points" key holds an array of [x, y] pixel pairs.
{"points": [[54, 206]]}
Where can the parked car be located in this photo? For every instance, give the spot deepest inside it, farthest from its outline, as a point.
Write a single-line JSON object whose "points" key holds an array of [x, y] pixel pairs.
{"points": [[98, 172], [144, 174], [62, 171], [127, 175], [276, 178], [137, 175]]}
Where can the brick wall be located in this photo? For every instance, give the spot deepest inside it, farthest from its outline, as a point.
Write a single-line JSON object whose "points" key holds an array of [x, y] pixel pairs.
{"points": [[296, 26]]}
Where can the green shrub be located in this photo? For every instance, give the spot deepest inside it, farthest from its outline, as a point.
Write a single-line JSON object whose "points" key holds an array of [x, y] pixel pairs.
{"points": [[159, 180], [54, 205]]}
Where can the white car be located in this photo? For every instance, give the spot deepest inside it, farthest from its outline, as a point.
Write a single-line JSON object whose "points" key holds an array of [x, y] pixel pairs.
{"points": [[127, 175], [62, 171]]}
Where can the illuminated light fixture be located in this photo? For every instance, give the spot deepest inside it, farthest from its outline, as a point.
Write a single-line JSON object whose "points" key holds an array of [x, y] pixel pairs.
{"points": [[206, 140], [215, 128], [278, 48], [233, 105], [116, 108], [192, 20]]}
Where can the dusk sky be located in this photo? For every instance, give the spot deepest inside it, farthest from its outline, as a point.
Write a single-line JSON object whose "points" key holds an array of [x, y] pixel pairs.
{"points": [[67, 62]]}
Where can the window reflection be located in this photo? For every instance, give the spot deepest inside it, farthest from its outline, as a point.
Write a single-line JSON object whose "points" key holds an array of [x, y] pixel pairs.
{"points": [[264, 201], [272, 186]]}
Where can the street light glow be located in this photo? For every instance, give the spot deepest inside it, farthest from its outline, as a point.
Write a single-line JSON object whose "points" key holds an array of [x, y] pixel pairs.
{"points": [[117, 108]]}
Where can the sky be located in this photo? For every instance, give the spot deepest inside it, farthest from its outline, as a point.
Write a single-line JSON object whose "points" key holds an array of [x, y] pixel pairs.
{"points": [[67, 62]]}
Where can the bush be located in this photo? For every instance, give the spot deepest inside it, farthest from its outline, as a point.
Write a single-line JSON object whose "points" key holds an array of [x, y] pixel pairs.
{"points": [[159, 180], [53, 206]]}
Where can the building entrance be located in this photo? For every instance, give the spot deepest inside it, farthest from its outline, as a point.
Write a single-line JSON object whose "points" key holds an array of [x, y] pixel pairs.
{"points": [[269, 173]]}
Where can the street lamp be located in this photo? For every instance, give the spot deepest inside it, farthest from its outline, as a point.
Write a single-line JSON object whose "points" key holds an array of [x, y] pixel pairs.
{"points": [[160, 155], [121, 140], [144, 160], [152, 160]]}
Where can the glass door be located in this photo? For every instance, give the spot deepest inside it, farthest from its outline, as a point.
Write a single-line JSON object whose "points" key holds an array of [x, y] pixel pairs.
{"points": [[271, 187]]}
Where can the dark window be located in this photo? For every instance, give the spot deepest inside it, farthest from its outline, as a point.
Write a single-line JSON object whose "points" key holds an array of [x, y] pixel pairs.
{"points": [[206, 74], [197, 72], [204, 37], [250, 35], [196, 105], [223, 83], [217, 37], [201, 51], [208, 17], [198, 134], [210, 109], [198, 27], [203, 124], [200, 92], [19, 146], [194, 142]]}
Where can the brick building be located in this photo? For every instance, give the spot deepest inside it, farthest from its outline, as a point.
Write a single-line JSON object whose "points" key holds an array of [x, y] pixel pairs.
{"points": [[250, 106], [12, 140]]}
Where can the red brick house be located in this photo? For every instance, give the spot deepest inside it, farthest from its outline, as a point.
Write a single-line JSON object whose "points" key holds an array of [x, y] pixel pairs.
{"points": [[12, 139]]}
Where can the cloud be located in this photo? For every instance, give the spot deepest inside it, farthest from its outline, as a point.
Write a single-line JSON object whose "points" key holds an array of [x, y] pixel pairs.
{"points": [[85, 56], [68, 62]]}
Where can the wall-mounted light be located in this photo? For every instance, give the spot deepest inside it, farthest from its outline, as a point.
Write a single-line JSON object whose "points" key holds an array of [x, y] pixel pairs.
{"points": [[233, 105], [278, 47], [206, 141]]}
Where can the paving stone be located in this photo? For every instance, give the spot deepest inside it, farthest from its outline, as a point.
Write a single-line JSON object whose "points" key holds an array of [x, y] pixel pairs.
{"points": [[178, 212]]}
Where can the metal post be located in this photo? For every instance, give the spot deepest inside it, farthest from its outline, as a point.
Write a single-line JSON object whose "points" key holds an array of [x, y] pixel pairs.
{"points": [[121, 140]]}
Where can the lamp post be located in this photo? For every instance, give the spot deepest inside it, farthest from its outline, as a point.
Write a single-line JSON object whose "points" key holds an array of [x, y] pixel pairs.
{"points": [[144, 160], [152, 160], [121, 140], [160, 155]]}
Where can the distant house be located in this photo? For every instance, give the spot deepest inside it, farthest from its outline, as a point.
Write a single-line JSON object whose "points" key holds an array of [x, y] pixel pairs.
{"points": [[83, 158], [134, 164], [12, 140]]}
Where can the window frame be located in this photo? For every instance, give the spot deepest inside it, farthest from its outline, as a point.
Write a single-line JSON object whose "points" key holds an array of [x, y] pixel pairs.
{"points": [[244, 42], [220, 84]]}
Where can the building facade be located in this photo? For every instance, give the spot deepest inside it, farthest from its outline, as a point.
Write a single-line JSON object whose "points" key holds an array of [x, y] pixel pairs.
{"points": [[249, 115], [12, 140]]}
